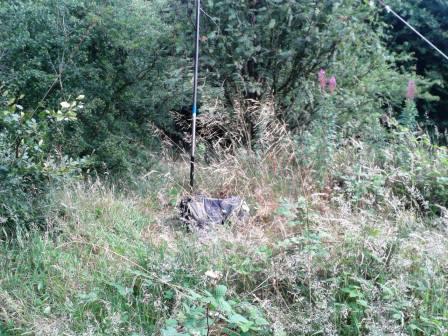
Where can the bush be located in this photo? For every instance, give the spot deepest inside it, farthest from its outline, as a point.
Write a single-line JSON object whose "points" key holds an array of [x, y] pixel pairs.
{"points": [[121, 55], [407, 166], [29, 164]]}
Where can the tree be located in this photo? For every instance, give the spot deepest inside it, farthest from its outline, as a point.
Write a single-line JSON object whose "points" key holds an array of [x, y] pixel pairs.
{"points": [[429, 17], [119, 54], [255, 49]]}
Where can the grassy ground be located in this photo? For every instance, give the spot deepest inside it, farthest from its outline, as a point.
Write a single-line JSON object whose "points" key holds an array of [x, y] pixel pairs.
{"points": [[307, 262]]}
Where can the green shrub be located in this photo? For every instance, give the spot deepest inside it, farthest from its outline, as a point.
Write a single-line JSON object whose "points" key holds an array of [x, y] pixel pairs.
{"points": [[121, 55], [212, 312], [29, 164], [407, 166]]}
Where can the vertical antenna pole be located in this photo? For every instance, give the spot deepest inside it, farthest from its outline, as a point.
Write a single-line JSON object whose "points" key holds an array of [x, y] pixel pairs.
{"points": [[195, 94]]}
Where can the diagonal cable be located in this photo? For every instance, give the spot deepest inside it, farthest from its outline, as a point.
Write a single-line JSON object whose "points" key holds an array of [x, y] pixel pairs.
{"points": [[390, 10]]}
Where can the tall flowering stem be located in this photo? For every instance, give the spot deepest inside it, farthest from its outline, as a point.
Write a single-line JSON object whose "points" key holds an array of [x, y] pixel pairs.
{"points": [[410, 94], [332, 84], [322, 80]]}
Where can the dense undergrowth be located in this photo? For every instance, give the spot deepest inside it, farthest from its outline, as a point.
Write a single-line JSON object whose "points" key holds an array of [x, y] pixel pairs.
{"points": [[345, 250], [303, 112]]}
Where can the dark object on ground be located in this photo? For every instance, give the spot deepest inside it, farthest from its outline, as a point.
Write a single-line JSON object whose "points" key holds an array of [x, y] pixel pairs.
{"points": [[203, 211]]}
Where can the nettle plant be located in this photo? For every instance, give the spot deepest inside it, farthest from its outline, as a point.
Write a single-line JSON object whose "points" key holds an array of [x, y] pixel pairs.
{"points": [[211, 313], [29, 161]]}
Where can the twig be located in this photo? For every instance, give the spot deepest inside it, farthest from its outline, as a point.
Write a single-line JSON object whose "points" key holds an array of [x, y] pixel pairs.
{"points": [[208, 325]]}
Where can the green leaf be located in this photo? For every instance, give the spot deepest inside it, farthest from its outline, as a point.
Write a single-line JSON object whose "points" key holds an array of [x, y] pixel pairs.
{"points": [[65, 105], [363, 303], [243, 323], [172, 332], [415, 327], [168, 294], [171, 328], [171, 323], [220, 291]]}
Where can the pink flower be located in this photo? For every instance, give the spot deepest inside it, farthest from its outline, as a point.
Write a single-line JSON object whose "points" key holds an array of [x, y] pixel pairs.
{"points": [[322, 80], [410, 94], [332, 84]]}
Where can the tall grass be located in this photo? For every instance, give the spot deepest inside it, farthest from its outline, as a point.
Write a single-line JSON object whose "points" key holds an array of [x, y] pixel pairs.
{"points": [[334, 252]]}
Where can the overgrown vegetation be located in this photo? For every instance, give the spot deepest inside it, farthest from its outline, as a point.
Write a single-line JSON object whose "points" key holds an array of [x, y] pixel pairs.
{"points": [[305, 112], [429, 18], [310, 260], [28, 167]]}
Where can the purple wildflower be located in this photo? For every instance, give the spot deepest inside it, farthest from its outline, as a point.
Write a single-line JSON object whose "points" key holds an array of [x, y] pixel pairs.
{"points": [[410, 94], [332, 84], [322, 80]]}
